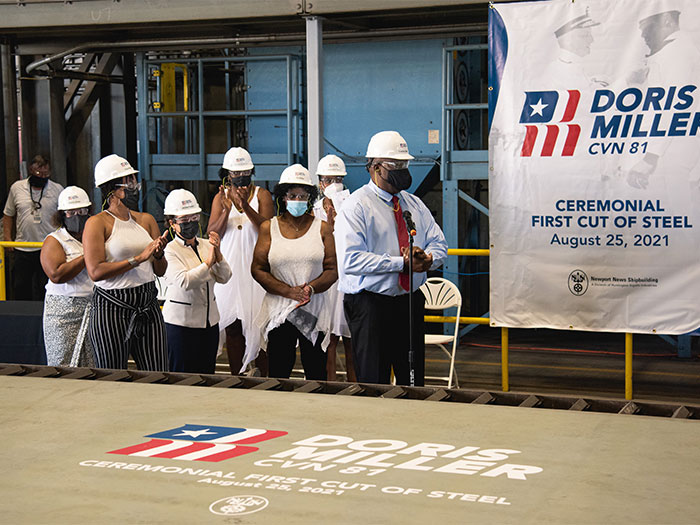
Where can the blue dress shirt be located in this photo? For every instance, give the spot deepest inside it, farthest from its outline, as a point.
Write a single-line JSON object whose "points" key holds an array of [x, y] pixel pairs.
{"points": [[367, 242]]}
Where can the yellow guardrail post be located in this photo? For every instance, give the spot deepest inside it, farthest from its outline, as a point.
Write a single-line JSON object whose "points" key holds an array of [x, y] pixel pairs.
{"points": [[628, 366], [2, 274], [504, 359], [13, 244]]}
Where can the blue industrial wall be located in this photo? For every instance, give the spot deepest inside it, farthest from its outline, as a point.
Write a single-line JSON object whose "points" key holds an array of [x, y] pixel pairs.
{"points": [[367, 87]]}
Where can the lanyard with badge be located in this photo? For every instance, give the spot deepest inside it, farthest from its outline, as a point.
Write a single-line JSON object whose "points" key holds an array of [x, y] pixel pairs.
{"points": [[36, 205]]}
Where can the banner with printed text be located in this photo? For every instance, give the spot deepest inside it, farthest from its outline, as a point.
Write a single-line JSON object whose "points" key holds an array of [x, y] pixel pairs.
{"points": [[594, 153]]}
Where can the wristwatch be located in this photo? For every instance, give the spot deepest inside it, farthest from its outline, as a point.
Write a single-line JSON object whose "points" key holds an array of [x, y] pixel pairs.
{"points": [[133, 262]]}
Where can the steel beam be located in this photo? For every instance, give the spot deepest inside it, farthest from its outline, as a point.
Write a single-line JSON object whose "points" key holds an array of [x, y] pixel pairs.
{"points": [[89, 98], [314, 91], [57, 132], [73, 87], [9, 111], [97, 13], [129, 73]]}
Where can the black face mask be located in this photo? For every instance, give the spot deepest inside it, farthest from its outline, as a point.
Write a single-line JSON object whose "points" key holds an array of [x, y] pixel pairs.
{"points": [[189, 230], [76, 223], [131, 199], [399, 179], [38, 182], [240, 182]]}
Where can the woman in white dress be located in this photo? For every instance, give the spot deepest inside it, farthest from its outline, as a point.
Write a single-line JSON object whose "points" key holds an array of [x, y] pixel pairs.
{"points": [[294, 261], [237, 212], [331, 172], [69, 290]]}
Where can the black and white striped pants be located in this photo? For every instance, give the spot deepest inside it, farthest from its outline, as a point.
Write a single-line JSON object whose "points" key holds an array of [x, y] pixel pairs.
{"points": [[128, 321]]}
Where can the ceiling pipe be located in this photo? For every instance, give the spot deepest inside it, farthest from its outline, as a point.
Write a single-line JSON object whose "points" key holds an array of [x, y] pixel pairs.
{"points": [[290, 37]]}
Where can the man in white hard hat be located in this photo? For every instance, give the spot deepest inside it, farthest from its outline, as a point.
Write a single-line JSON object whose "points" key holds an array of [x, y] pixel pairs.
{"points": [[373, 257], [30, 209]]}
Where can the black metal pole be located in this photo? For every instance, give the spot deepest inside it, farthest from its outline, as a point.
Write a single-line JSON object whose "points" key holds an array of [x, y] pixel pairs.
{"points": [[411, 367]]}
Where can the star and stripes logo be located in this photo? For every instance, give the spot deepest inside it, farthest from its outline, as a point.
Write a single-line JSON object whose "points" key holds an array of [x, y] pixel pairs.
{"points": [[540, 109], [200, 443]]}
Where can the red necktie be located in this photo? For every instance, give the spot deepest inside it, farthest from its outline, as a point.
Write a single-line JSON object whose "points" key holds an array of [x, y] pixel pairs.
{"points": [[403, 238]]}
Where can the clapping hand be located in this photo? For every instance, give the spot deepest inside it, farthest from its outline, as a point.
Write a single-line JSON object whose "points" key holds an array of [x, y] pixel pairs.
{"points": [[239, 196], [215, 252], [224, 198], [157, 245], [330, 210]]}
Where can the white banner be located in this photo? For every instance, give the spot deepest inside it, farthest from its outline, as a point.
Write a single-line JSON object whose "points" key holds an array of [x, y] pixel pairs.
{"points": [[595, 165]]}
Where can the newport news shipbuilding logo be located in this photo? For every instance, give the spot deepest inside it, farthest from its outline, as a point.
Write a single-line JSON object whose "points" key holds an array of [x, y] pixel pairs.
{"points": [[200, 443], [540, 109]]}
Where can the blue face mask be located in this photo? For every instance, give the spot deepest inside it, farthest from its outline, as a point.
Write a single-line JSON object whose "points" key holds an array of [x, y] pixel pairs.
{"points": [[297, 208]]}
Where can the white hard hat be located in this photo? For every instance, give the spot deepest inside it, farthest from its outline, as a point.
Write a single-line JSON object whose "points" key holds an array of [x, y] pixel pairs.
{"points": [[237, 159], [388, 145], [296, 174], [181, 202], [73, 198], [331, 165], [112, 167]]}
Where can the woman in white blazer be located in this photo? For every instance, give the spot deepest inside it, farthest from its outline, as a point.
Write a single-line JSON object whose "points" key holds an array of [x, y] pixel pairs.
{"points": [[194, 265]]}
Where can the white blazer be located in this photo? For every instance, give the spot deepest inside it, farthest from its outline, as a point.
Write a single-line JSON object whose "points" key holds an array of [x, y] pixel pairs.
{"points": [[189, 299]]}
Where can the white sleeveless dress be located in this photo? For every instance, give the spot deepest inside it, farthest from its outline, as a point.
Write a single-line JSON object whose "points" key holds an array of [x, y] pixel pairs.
{"points": [[295, 262], [339, 325], [241, 297]]}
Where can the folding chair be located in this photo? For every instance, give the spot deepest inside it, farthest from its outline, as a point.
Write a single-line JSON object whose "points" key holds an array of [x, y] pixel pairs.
{"points": [[440, 294]]}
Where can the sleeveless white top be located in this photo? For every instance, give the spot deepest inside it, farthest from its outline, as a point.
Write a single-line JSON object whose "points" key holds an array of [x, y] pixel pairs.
{"points": [[80, 285], [241, 297], [295, 262], [128, 239]]}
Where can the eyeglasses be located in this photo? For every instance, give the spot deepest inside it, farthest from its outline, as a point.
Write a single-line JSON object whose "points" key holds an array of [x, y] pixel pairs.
{"points": [[79, 211], [187, 218], [131, 185], [394, 164], [326, 179], [297, 196], [243, 173]]}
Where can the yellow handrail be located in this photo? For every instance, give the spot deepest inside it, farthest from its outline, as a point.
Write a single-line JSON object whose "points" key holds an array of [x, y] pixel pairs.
{"points": [[11, 244], [20, 244], [468, 251], [628, 366]]}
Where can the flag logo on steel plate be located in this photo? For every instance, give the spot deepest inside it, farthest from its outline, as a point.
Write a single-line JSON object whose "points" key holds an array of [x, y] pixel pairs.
{"points": [[542, 108], [200, 443]]}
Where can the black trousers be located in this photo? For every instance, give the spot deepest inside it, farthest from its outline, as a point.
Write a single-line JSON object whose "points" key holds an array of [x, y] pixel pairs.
{"points": [[28, 277], [192, 350], [281, 353], [379, 328]]}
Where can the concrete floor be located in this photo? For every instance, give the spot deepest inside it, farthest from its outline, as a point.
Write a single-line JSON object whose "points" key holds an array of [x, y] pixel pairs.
{"points": [[407, 461]]}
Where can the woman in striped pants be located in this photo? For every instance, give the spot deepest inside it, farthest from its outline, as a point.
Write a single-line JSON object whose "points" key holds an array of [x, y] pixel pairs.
{"points": [[123, 255]]}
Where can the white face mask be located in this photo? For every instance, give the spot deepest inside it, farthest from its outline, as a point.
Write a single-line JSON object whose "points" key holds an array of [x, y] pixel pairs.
{"points": [[332, 189]]}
